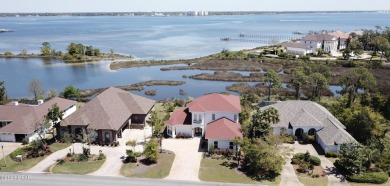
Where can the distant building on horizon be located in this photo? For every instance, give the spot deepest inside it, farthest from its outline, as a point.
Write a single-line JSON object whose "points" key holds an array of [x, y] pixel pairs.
{"points": [[198, 13]]}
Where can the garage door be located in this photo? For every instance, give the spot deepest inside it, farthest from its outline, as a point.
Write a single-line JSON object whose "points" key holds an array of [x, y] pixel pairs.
{"points": [[7, 137]]}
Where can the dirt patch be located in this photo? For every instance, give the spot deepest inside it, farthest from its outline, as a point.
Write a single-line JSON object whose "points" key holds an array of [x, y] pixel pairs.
{"points": [[317, 170]]}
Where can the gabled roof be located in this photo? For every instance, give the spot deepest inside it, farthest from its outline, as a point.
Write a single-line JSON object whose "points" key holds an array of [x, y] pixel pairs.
{"points": [[109, 110], [179, 117], [223, 129], [319, 37], [340, 34], [296, 45], [22, 117], [215, 103], [310, 114]]}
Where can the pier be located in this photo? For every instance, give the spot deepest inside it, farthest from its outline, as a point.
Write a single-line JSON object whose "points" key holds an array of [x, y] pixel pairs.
{"points": [[260, 38]]}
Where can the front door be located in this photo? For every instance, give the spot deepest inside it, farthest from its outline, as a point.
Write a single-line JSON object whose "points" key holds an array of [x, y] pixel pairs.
{"points": [[198, 131]]}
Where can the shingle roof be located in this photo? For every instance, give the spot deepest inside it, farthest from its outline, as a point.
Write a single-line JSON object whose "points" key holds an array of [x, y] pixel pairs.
{"points": [[179, 117], [223, 129], [215, 102], [319, 37], [296, 45], [24, 116], [311, 114], [340, 34], [109, 110]]}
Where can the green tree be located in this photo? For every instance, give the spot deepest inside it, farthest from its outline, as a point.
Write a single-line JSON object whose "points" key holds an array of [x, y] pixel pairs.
{"points": [[370, 156], [318, 83], [156, 123], [386, 109], [3, 93], [70, 92], [379, 43], [272, 81], [46, 49], [261, 159], [112, 52], [355, 79], [151, 150], [262, 120], [76, 49], [355, 47], [351, 159], [299, 79], [89, 51], [36, 89], [54, 115], [96, 52]]}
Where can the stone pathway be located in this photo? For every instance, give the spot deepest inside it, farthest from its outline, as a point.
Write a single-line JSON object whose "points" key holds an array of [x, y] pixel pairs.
{"points": [[187, 160]]}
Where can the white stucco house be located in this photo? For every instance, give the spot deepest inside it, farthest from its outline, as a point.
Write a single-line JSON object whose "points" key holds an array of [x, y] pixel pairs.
{"points": [[213, 116], [299, 49], [298, 117], [326, 42], [17, 118]]}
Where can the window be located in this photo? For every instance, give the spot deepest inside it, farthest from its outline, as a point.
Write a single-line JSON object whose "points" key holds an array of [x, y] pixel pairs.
{"points": [[216, 144], [231, 145], [235, 117], [213, 117]]}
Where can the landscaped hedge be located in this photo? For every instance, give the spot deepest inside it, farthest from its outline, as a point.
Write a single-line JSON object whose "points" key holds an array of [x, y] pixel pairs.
{"points": [[331, 155], [315, 161], [371, 177], [300, 157]]}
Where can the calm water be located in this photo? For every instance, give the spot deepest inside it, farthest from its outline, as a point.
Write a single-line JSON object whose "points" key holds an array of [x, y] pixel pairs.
{"points": [[147, 38]]}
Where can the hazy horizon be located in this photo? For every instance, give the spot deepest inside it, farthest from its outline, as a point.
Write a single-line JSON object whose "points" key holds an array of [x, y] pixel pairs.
{"points": [[70, 6]]}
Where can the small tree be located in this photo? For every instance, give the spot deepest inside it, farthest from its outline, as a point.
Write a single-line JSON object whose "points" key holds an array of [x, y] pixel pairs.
{"points": [[156, 123], [40, 128], [3, 93], [272, 81], [298, 81], [54, 115], [70, 92], [317, 82], [151, 151], [51, 94], [45, 49], [351, 159], [132, 143], [35, 88]]}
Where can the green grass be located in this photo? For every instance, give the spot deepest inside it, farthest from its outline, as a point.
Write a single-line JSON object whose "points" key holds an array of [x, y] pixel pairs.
{"points": [[159, 170], [58, 146], [14, 166], [369, 184], [77, 167], [212, 170], [309, 181]]}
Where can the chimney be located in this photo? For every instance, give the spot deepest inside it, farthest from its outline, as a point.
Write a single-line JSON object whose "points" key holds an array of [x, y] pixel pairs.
{"points": [[40, 101], [16, 103]]}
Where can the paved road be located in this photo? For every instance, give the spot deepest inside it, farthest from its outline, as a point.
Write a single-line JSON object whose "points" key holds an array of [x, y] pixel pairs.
{"points": [[86, 180], [187, 158]]}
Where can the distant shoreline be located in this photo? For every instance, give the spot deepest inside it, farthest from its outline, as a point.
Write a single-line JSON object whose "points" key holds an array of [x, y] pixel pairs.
{"points": [[177, 13]]}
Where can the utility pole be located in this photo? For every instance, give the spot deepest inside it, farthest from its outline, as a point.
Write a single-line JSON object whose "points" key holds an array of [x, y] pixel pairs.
{"points": [[2, 148]]}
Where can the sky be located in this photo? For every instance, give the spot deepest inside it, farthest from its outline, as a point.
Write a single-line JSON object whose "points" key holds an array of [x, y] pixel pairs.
{"points": [[15, 6]]}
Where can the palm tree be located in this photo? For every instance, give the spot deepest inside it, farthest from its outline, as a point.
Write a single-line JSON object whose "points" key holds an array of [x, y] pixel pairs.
{"points": [[270, 115], [371, 155]]}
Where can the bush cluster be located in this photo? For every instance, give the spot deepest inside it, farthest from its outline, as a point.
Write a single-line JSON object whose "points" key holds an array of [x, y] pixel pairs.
{"points": [[298, 158], [371, 177], [183, 135], [331, 155]]}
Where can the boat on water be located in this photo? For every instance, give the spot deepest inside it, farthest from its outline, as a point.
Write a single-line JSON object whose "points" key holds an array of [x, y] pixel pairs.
{"points": [[6, 30]]}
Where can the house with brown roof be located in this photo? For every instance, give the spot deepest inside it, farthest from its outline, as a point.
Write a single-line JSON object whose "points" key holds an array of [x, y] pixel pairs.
{"points": [[105, 117], [213, 116], [307, 117], [328, 43], [18, 118]]}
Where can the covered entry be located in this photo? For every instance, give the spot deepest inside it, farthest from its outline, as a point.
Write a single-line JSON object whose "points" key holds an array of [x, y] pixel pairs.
{"points": [[198, 131]]}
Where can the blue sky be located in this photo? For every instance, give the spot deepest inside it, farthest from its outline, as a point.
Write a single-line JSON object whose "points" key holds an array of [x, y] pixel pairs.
{"points": [[10, 6]]}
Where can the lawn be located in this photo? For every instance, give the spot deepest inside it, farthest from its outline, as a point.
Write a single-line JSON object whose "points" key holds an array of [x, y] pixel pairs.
{"points": [[159, 170], [77, 167], [369, 184], [213, 170], [14, 166], [54, 147], [308, 181]]}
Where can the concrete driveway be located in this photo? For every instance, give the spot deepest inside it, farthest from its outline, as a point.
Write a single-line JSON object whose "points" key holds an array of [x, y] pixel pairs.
{"points": [[334, 179], [187, 158], [8, 147], [288, 176]]}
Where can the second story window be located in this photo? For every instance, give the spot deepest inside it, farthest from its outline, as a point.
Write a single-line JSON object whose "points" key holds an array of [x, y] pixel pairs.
{"points": [[213, 116], [235, 117]]}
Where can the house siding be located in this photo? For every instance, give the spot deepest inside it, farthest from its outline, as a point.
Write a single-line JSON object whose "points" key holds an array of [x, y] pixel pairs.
{"points": [[222, 144], [7, 137]]}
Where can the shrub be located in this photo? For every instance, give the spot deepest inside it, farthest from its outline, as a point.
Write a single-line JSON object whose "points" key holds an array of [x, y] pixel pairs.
{"points": [[299, 156], [331, 155], [315, 161], [151, 151], [101, 155], [311, 137], [82, 157], [8, 53], [130, 156], [24, 141], [295, 161], [19, 151], [371, 177], [137, 154], [303, 168], [66, 138]]}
